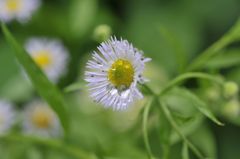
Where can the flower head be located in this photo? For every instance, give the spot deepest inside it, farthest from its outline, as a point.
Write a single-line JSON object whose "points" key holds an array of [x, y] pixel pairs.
{"points": [[20, 10], [113, 74], [7, 116], [40, 120], [50, 55]]}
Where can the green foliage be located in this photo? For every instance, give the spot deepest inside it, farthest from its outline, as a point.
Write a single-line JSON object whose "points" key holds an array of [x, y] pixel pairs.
{"points": [[51, 143], [44, 87], [175, 120], [199, 104]]}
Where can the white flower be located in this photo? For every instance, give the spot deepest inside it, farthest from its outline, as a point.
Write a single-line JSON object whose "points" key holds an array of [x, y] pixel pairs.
{"points": [[50, 55], [113, 75], [40, 120], [20, 10], [7, 116]]}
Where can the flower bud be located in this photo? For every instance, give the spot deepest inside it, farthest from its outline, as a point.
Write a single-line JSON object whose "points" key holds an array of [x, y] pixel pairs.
{"points": [[102, 33], [230, 89]]}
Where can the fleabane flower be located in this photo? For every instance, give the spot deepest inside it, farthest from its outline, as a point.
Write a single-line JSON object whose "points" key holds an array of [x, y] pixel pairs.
{"points": [[21, 10], [40, 120], [7, 116], [113, 74], [50, 55]]}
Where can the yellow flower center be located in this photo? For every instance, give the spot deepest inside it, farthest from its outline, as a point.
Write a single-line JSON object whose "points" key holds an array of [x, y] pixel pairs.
{"points": [[43, 59], [13, 5], [121, 73], [42, 118]]}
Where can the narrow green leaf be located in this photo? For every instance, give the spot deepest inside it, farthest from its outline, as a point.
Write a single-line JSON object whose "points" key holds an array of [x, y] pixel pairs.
{"points": [[185, 154], [44, 87], [199, 104]]}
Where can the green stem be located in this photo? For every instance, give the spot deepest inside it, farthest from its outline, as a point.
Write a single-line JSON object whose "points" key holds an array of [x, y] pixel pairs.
{"points": [[148, 89], [185, 154], [231, 36], [51, 143], [165, 151], [145, 129], [175, 126], [186, 76]]}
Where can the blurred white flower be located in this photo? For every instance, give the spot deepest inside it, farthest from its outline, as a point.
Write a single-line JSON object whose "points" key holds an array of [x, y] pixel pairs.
{"points": [[113, 75], [7, 116], [20, 10], [50, 55], [40, 120]]}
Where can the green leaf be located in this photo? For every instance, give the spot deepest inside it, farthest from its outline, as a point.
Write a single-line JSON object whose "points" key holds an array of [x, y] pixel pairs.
{"points": [[44, 87], [199, 104]]}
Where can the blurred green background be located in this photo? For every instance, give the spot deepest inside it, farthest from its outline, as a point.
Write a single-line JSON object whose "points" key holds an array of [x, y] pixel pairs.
{"points": [[171, 32]]}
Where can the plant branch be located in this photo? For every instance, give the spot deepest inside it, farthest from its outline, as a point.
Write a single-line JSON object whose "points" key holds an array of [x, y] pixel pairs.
{"points": [[231, 36], [186, 76]]}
